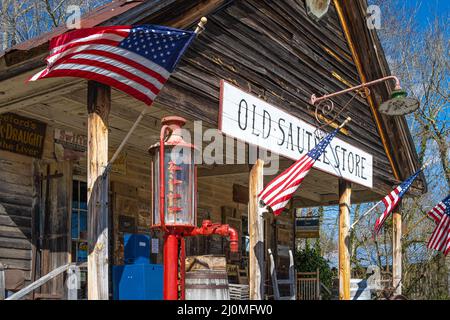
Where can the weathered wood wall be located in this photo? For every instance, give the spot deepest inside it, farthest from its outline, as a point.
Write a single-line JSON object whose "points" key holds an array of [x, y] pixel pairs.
{"points": [[274, 50], [16, 190]]}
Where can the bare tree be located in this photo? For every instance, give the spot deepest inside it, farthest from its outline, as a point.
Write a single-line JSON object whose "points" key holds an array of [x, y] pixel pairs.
{"points": [[26, 19], [419, 55]]}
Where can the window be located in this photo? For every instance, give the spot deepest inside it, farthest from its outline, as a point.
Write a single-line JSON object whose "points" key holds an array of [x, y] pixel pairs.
{"points": [[79, 221]]}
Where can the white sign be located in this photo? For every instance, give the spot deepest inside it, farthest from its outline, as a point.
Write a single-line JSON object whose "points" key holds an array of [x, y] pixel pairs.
{"points": [[155, 245], [252, 120]]}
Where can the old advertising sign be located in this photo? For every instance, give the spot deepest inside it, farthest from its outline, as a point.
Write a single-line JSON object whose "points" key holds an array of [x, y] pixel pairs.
{"points": [[71, 140], [69, 145], [307, 227], [22, 135], [252, 120]]}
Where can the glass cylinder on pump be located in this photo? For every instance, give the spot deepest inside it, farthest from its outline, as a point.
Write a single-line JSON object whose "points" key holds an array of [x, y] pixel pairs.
{"points": [[179, 177]]}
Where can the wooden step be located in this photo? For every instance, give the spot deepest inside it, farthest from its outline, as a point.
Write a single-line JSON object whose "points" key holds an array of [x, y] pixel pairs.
{"points": [[47, 296]]}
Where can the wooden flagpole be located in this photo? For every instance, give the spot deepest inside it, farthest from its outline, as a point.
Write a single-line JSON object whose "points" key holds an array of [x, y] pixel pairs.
{"points": [[199, 29]]}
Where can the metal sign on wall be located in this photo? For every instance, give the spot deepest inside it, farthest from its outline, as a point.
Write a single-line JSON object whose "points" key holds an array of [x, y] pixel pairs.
{"points": [[252, 120], [22, 135], [71, 140]]}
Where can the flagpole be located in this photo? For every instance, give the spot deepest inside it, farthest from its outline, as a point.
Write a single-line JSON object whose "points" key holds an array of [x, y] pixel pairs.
{"points": [[267, 207], [199, 29], [345, 122], [365, 214], [426, 164]]}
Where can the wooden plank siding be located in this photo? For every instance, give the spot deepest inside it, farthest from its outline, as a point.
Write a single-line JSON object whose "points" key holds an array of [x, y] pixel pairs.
{"points": [[288, 57], [15, 211]]}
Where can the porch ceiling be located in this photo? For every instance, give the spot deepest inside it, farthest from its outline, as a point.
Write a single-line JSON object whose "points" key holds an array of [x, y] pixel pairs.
{"points": [[62, 103]]}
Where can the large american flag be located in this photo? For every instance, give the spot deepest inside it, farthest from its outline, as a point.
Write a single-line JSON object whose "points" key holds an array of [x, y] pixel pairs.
{"points": [[393, 198], [440, 239], [137, 60], [280, 190]]}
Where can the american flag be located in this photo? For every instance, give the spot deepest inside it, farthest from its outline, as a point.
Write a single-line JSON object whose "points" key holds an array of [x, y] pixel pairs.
{"points": [[440, 239], [280, 190], [137, 60], [392, 199]]}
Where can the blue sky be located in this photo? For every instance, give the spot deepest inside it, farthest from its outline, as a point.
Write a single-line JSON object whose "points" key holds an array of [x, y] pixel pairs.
{"points": [[427, 8]]}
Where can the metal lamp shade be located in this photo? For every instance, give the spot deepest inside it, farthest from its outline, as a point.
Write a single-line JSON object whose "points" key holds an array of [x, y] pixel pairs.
{"points": [[399, 104]]}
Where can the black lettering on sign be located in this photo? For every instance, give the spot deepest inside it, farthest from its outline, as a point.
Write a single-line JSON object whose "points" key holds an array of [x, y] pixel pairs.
{"points": [[362, 168], [282, 131], [337, 156], [253, 121], [300, 150], [350, 162], [269, 121], [343, 158], [290, 137], [246, 114], [22, 135], [358, 159]]}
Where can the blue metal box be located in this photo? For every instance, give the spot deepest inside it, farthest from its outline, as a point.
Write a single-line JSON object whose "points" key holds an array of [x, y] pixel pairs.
{"points": [[138, 282], [136, 248]]}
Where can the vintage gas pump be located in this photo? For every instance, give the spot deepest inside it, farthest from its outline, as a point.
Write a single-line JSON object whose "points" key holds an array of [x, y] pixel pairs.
{"points": [[174, 205]]}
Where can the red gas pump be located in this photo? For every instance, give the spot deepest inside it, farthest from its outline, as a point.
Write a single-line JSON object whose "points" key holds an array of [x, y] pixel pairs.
{"points": [[174, 205]]}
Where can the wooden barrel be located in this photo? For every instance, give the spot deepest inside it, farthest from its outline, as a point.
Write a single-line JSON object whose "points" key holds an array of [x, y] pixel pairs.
{"points": [[207, 285]]}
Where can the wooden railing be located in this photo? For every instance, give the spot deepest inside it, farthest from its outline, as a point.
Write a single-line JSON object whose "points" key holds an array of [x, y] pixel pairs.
{"points": [[72, 282], [308, 285]]}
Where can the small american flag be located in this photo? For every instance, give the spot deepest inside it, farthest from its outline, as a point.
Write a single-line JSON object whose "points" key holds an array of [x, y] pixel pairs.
{"points": [[280, 190], [440, 239], [392, 199], [137, 60]]}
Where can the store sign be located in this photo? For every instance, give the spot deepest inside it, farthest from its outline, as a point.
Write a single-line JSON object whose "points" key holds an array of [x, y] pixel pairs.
{"points": [[71, 140], [22, 135], [254, 121]]}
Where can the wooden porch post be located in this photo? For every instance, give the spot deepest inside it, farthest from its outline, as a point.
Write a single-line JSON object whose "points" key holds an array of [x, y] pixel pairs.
{"points": [[397, 251], [256, 231], [98, 105], [345, 192]]}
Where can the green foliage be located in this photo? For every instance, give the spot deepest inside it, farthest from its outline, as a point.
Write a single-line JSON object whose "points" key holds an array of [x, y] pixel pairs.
{"points": [[310, 259]]}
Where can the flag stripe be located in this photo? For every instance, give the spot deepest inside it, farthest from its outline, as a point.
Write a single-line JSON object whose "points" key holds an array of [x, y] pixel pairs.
{"points": [[96, 67], [287, 193], [280, 190], [156, 72], [124, 70], [104, 79], [137, 60], [440, 238], [292, 176], [439, 233], [281, 179], [113, 35]]}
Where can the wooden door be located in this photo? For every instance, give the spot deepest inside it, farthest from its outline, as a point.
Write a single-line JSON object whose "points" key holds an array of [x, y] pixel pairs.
{"points": [[54, 224]]}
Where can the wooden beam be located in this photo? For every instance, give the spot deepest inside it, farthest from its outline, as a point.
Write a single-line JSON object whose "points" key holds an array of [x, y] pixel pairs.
{"points": [[256, 230], [345, 193], [397, 251], [2, 282], [98, 105]]}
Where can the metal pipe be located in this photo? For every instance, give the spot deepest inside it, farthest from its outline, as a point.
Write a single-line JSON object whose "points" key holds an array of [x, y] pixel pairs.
{"points": [[170, 291], [315, 100], [208, 228]]}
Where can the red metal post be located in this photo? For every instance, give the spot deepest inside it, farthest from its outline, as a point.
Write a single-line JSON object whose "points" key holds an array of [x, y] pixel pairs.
{"points": [[170, 267], [182, 267]]}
